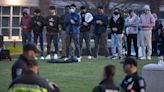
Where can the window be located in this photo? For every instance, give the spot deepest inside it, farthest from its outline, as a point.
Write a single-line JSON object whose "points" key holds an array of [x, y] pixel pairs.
{"points": [[5, 21], [0, 11], [6, 10], [5, 32], [16, 10], [15, 32], [15, 22]]}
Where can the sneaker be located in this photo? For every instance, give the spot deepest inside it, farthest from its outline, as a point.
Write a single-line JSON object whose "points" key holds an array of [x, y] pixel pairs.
{"points": [[149, 58], [143, 58], [65, 59], [55, 56], [79, 59], [89, 57], [121, 58], [48, 57], [36, 58], [41, 58], [114, 57]]}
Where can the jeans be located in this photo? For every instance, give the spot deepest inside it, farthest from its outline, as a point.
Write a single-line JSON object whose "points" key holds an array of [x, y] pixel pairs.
{"points": [[75, 38], [40, 36], [85, 36], [55, 39], [116, 44], [26, 37], [103, 39]]}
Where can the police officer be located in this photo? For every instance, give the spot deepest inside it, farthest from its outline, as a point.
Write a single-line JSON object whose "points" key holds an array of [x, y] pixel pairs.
{"points": [[132, 81], [107, 84], [30, 81], [52, 23], [37, 26], [20, 66]]}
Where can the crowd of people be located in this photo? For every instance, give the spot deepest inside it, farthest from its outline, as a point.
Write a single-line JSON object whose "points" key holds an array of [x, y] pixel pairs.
{"points": [[144, 31]]}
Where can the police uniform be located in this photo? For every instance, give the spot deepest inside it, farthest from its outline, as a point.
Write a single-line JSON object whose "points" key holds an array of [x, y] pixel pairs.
{"points": [[106, 86], [139, 83], [31, 82], [19, 67]]}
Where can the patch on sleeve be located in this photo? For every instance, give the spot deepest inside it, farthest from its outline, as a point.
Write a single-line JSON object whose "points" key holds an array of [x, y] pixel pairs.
{"points": [[141, 83], [19, 71]]}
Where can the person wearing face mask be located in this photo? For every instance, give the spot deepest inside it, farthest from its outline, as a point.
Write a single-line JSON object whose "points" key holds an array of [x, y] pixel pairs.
{"points": [[37, 25], [72, 22], [52, 25], [100, 31], [85, 29], [116, 25], [147, 22], [63, 28], [26, 27], [131, 23]]}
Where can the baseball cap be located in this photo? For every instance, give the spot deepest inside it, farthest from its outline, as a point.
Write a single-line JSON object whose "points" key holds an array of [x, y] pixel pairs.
{"points": [[129, 60], [31, 46], [146, 7]]}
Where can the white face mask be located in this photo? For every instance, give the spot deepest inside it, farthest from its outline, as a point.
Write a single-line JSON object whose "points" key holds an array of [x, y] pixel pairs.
{"points": [[72, 10]]}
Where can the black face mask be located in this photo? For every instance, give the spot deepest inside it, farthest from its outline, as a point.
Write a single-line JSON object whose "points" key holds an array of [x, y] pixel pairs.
{"points": [[116, 13]]}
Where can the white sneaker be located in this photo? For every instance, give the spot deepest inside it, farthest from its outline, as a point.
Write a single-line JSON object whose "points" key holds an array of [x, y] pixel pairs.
{"points": [[89, 57], [41, 58], [55, 56], [36, 58], [149, 58], [65, 59], [143, 58], [48, 57], [79, 59]]}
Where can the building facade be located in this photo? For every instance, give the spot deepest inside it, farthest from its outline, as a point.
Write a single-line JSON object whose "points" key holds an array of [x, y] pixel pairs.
{"points": [[10, 16]]}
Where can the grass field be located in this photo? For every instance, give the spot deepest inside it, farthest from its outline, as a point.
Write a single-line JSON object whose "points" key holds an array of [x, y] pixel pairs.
{"points": [[73, 77]]}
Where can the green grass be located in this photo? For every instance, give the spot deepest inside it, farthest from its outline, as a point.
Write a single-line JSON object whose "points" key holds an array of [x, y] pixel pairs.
{"points": [[16, 49], [73, 77]]}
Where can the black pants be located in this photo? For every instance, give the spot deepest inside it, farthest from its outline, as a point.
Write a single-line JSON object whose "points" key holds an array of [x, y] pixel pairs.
{"points": [[103, 41], [85, 36], [55, 39], [130, 38]]}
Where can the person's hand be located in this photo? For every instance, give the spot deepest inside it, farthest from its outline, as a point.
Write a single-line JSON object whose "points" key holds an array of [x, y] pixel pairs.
{"points": [[130, 86], [72, 21], [99, 22], [53, 85], [114, 29], [38, 23], [85, 23]]}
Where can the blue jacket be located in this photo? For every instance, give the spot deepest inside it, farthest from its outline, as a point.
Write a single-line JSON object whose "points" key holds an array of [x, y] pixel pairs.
{"points": [[99, 29], [75, 27]]}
